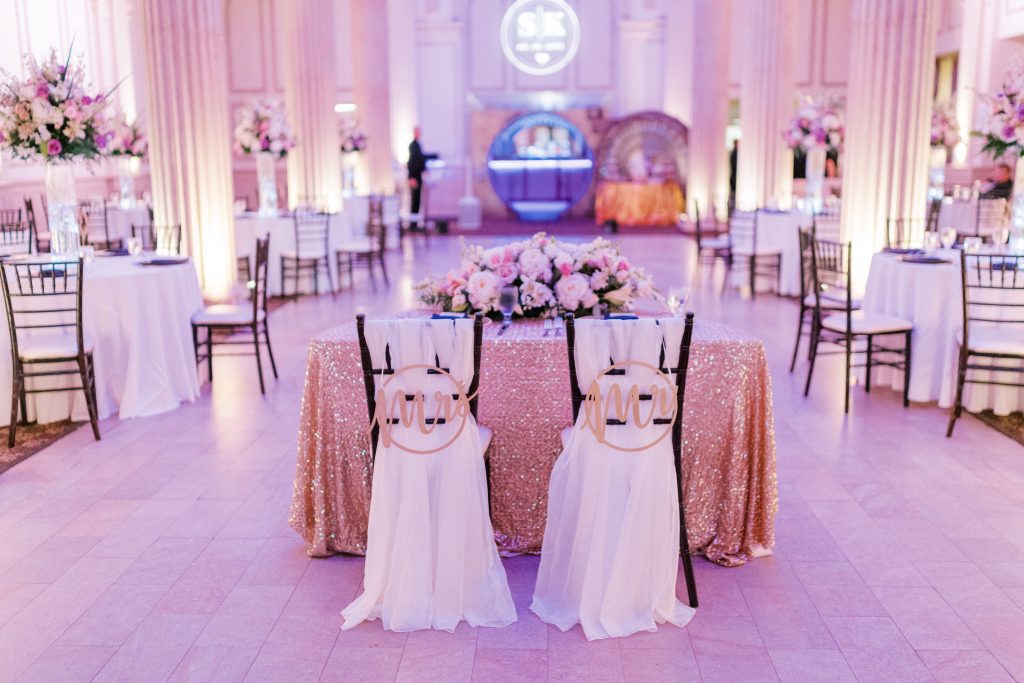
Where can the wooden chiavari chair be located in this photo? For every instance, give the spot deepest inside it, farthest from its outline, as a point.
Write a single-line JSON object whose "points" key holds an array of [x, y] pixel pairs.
{"points": [[95, 227], [43, 299], [712, 245], [745, 251], [40, 243], [830, 268], [310, 256], [905, 233], [992, 340], [164, 239], [679, 372], [367, 252], [223, 322]]}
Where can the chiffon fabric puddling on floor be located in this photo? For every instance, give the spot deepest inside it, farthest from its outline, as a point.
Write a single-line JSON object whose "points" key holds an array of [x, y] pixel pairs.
{"points": [[611, 545], [431, 560]]}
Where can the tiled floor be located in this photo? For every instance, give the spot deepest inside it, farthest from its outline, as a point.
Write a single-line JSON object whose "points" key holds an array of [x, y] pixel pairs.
{"points": [[164, 552]]}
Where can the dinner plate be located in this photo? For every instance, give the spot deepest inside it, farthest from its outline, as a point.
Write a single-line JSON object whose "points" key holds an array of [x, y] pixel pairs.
{"points": [[901, 250], [915, 258], [163, 261]]}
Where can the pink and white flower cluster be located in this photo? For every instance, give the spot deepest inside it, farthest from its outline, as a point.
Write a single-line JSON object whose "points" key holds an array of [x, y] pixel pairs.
{"points": [[551, 276], [1003, 130], [945, 129], [128, 140], [353, 139], [50, 114], [263, 127], [817, 123]]}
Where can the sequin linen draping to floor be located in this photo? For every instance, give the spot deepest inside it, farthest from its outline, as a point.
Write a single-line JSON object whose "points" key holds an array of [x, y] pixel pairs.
{"points": [[729, 483]]}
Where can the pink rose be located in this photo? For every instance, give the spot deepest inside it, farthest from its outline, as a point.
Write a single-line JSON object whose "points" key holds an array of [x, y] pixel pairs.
{"points": [[42, 90], [53, 148], [571, 291]]}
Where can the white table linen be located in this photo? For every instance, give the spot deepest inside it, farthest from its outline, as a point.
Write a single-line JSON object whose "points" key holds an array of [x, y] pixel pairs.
{"points": [[929, 295], [778, 231], [120, 220], [139, 319], [281, 230]]}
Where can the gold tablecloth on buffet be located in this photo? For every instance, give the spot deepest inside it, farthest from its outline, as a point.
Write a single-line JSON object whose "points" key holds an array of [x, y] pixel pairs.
{"points": [[728, 441], [639, 203]]}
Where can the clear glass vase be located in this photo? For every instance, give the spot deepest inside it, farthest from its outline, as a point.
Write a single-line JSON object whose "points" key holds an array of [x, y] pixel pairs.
{"points": [[127, 167], [937, 173], [267, 183], [62, 210], [815, 174]]}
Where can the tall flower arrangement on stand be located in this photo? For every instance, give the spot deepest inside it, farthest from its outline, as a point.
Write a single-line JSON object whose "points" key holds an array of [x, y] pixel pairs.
{"points": [[1003, 132], [263, 130], [552, 277], [817, 129], [51, 115], [353, 141], [128, 145], [944, 136]]}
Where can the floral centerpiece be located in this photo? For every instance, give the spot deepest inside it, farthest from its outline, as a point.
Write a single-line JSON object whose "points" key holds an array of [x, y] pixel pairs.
{"points": [[353, 139], [945, 129], [128, 145], [51, 115], [817, 129], [263, 130], [551, 276], [1003, 132]]}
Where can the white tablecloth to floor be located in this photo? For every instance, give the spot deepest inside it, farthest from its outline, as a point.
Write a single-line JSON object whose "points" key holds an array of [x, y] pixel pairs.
{"points": [[929, 296], [120, 220], [140, 320], [282, 239], [779, 230]]}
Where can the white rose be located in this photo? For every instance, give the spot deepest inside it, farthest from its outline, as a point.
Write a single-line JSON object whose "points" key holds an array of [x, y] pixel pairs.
{"points": [[571, 290], [535, 265], [482, 290]]}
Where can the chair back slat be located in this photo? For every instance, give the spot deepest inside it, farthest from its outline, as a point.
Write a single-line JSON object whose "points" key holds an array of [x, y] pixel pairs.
{"points": [[15, 237], [905, 233], [831, 275], [743, 230], [92, 218], [259, 294], [311, 234], [992, 290], [163, 239]]}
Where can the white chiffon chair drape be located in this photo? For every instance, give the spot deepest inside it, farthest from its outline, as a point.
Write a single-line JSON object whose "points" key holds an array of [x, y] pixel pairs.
{"points": [[611, 544], [431, 559]]}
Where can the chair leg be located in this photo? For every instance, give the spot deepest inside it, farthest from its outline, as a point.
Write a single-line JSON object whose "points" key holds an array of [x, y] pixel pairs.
{"points": [[16, 392], [330, 277], [906, 372], [867, 374], [351, 271], [89, 389], [961, 376], [316, 278], [270, 351], [684, 550], [753, 277], [815, 333], [369, 268], [849, 362], [384, 269], [259, 361], [195, 343], [209, 353], [799, 334]]}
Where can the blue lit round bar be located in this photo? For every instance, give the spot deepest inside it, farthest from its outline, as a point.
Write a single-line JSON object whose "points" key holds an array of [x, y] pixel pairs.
{"points": [[540, 165]]}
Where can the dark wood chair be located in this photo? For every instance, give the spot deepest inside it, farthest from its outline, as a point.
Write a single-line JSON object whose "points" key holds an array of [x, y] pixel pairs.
{"points": [[40, 242], [679, 372], [92, 219], [843, 327], [16, 235], [366, 252], [310, 255], [712, 245], [746, 254], [223, 323], [43, 299], [905, 233], [992, 287], [9, 216], [165, 239], [990, 216]]}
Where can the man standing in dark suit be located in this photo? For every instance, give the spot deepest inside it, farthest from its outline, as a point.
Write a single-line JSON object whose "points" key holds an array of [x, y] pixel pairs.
{"points": [[416, 166]]}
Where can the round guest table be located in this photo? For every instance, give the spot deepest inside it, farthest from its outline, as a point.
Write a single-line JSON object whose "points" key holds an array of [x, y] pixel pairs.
{"points": [[139, 318], [728, 441], [929, 295], [639, 203], [778, 230]]}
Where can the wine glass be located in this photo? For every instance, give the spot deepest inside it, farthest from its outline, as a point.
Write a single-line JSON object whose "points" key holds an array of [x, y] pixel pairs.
{"points": [[134, 246], [931, 241], [948, 237], [972, 245], [1001, 237], [676, 300], [507, 300]]}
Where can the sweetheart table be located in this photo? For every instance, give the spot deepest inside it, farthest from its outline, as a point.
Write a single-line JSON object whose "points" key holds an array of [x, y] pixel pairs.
{"points": [[139, 318], [728, 441]]}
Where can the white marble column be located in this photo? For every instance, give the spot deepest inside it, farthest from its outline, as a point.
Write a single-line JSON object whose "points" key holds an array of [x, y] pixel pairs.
{"points": [[767, 99], [978, 35], [371, 81], [189, 131], [888, 121], [708, 178], [314, 166]]}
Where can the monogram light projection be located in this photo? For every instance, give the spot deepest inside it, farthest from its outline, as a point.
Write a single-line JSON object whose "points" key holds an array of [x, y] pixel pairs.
{"points": [[540, 37]]}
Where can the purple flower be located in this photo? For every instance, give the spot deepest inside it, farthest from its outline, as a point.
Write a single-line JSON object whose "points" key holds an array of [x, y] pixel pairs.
{"points": [[42, 90], [53, 148], [102, 139], [86, 100]]}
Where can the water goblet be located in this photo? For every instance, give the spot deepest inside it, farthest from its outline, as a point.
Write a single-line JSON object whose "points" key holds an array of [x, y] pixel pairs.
{"points": [[1001, 237], [88, 252], [507, 300], [134, 246], [931, 241], [948, 236], [972, 245], [676, 300]]}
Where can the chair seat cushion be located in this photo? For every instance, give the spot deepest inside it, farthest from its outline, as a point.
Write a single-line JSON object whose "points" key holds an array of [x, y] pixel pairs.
{"points": [[358, 246], [486, 436], [1003, 340], [51, 344], [718, 242], [831, 302], [748, 250], [227, 314], [867, 322]]}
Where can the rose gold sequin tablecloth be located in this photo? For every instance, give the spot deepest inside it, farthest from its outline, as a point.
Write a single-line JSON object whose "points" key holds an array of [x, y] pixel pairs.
{"points": [[728, 441]]}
